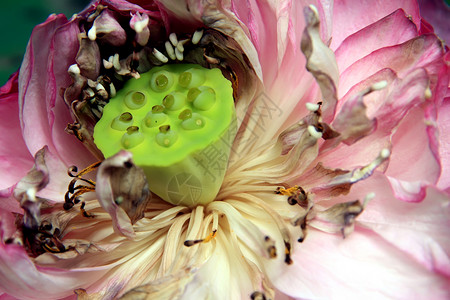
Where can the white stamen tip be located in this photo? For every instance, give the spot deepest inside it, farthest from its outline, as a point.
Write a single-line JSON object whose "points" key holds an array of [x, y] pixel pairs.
{"points": [[100, 87], [180, 47], [197, 36], [140, 25], [314, 133], [379, 85], [116, 62], [92, 34], [170, 51], [313, 8], [385, 153], [107, 64], [368, 198], [112, 90], [178, 54], [428, 93], [74, 69], [173, 39], [161, 57], [312, 106]]}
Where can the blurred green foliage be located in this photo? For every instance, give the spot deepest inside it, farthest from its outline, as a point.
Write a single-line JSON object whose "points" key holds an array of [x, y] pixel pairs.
{"points": [[17, 19]]}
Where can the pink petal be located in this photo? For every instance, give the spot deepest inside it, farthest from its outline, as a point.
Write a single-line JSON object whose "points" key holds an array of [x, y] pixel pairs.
{"points": [[349, 18], [362, 266], [375, 36], [424, 51], [444, 140], [15, 160], [20, 278], [412, 165], [42, 75], [418, 229]]}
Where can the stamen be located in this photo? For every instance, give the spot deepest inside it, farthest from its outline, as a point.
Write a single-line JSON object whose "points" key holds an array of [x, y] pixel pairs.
{"points": [[173, 39], [84, 212], [180, 47], [365, 172], [179, 54], [170, 51], [197, 36], [190, 243], [92, 33], [314, 132], [379, 85], [312, 106], [116, 62], [258, 296], [271, 249], [74, 69], [428, 93], [161, 57]]}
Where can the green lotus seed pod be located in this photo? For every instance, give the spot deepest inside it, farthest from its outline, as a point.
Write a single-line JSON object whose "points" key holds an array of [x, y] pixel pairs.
{"points": [[174, 101], [161, 81], [206, 99], [135, 100], [186, 122], [191, 78], [122, 122], [153, 119], [132, 137], [195, 121]]}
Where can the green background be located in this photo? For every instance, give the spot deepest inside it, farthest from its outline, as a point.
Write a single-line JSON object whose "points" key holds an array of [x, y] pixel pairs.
{"points": [[17, 19]]}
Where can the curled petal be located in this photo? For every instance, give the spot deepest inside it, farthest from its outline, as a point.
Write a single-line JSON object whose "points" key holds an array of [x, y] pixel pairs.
{"points": [[107, 29], [122, 190], [320, 62]]}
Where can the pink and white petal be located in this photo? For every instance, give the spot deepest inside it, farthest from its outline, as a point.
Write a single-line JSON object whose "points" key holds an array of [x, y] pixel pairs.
{"points": [[20, 278], [15, 160], [412, 164], [388, 107], [418, 229], [362, 266], [349, 18], [424, 51], [375, 36], [43, 73], [443, 122]]}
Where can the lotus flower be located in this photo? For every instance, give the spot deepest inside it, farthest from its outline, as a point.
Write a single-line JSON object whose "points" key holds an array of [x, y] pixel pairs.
{"points": [[333, 178]]}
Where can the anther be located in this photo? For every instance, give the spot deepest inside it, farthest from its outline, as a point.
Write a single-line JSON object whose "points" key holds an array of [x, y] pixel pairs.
{"points": [[116, 62], [271, 249], [312, 106], [197, 36], [161, 57], [170, 51], [179, 54], [190, 243], [379, 85], [92, 33], [428, 93], [314, 133], [74, 69], [173, 39]]}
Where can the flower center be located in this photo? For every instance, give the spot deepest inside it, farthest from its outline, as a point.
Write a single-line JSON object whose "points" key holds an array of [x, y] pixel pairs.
{"points": [[177, 120]]}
